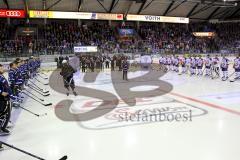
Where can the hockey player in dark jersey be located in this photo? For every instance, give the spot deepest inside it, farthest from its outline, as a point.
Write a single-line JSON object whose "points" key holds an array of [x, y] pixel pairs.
{"points": [[20, 74], [67, 74], [26, 71], [12, 77], [31, 67], [125, 67], [5, 107]]}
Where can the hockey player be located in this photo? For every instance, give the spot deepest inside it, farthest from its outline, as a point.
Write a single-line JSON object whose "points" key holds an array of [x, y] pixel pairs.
{"points": [[12, 77], [188, 65], [164, 64], [161, 63], [215, 67], [236, 66], [183, 64], [208, 63], [224, 67], [18, 77], [125, 67], [176, 63], [26, 71], [5, 107], [22, 72], [172, 63], [67, 74], [169, 62], [200, 65], [193, 66], [31, 66]]}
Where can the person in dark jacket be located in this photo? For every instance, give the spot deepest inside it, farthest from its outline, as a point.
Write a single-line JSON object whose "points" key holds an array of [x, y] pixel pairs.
{"points": [[67, 74], [112, 64], [125, 67]]}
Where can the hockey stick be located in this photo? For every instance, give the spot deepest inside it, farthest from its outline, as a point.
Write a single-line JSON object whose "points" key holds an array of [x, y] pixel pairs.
{"points": [[31, 94], [36, 85], [69, 84], [41, 82], [33, 87], [38, 88], [48, 104], [45, 92], [43, 73], [39, 92], [229, 77], [41, 76], [38, 115], [234, 78], [30, 154]]}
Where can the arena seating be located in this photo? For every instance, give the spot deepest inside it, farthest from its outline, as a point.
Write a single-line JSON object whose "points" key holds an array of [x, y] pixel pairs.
{"points": [[60, 37]]}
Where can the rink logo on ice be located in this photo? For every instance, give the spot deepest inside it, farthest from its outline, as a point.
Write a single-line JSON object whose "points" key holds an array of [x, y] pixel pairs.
{"points": [[148, 110], [108, 100]]}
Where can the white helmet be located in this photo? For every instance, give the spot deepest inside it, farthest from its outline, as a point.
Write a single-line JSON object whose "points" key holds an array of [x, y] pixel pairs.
{"points": [[64, 61]]}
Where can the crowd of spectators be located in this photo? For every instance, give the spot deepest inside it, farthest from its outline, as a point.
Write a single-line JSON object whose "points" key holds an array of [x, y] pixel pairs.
{"points": [[5, 45], [60, 37], [176, 37], [65, 36]]}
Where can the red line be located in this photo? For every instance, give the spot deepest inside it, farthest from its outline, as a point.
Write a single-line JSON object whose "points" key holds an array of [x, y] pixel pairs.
{"points": [[207, 104]]}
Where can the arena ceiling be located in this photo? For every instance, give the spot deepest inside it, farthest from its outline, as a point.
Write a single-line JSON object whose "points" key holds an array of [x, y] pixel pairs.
{"points": [[194, 9]]}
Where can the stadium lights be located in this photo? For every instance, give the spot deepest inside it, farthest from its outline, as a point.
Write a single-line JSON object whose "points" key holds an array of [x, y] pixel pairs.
{"points": [[204, 34]]}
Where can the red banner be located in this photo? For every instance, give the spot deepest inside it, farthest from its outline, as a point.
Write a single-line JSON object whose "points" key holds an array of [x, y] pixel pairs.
{"points": [[12, 13]]}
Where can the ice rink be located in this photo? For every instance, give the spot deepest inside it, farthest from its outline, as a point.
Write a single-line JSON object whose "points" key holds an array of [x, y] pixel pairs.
{"points": [[211, 134]]}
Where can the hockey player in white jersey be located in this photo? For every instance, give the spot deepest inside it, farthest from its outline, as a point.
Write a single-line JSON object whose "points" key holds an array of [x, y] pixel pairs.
{"points": [[208, 63], [199, 65], [161, 63], [183, 64], [215, 67], [193, 66], [164, 64], [172, 63], [176, 63], [224, 68], [188, 65], [169, 62], [236, 66]]}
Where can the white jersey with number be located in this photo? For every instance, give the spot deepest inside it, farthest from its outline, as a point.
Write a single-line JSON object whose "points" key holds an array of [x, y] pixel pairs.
{"points": [[215, 62], [208, 62], [188, 61], [224, 63], [237, 63]]}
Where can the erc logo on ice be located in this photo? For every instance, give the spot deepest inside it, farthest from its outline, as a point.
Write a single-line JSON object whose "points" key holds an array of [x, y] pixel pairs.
{"points": [[147, 110]]}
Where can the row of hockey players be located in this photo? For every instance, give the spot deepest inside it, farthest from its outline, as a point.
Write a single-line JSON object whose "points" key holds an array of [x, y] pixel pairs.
{"points": [[18, 76], [197, 65]]}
